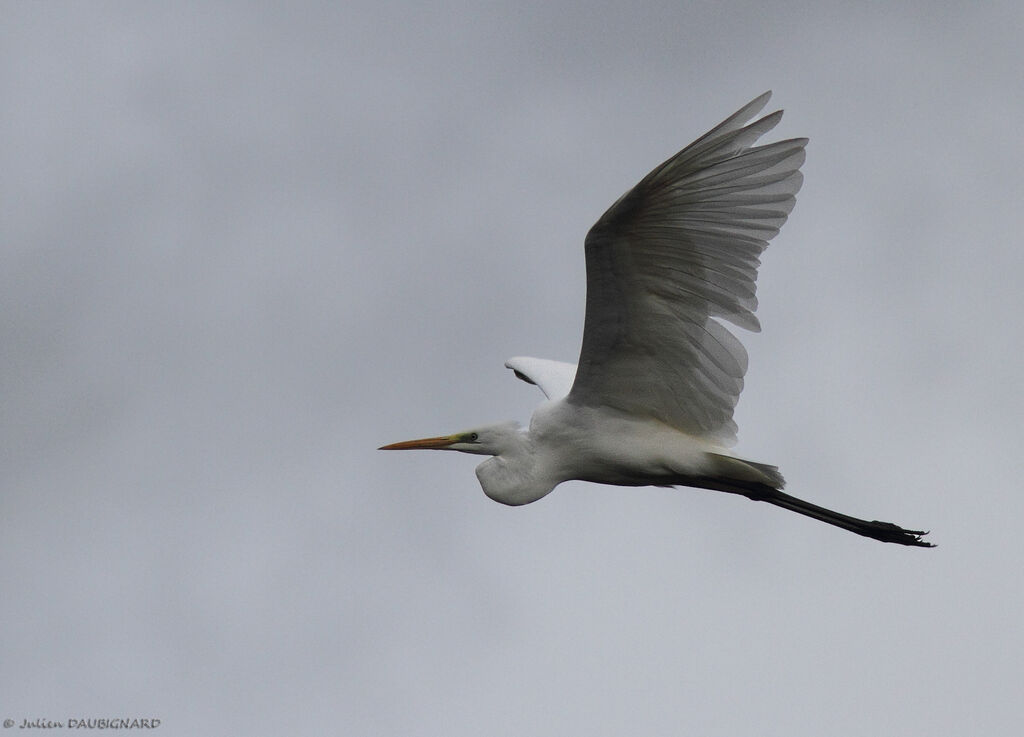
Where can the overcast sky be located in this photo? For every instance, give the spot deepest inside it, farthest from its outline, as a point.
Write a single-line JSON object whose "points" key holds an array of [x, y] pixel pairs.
{"points": [[241, 246]]}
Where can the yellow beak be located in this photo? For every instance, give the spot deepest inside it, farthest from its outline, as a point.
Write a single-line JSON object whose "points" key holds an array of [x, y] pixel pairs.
{"points": [[423, 444]]}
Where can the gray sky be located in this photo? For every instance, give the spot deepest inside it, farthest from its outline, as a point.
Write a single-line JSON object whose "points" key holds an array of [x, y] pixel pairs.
{"points": [[243, 246]]}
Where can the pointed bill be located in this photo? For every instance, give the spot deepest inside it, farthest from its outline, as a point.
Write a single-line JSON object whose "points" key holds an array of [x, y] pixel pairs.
{"points": [[439, 443]]}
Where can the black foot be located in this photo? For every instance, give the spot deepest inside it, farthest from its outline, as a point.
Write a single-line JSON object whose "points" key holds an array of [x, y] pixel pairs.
{"points": [[890, 533]]}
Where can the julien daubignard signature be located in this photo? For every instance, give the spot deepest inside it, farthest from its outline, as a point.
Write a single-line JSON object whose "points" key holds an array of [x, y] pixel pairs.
{"points": [[112, 723]]}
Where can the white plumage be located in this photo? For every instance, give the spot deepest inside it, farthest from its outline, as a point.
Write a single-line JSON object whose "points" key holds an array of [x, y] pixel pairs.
{"points": [[651, 400]]}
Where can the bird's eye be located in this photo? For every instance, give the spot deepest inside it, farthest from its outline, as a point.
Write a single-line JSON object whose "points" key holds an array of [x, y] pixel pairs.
{"points": [[473, 437]]}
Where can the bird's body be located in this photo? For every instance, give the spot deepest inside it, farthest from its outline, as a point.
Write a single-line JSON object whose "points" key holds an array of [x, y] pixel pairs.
{"points": [[566, 442], [651, 400]]}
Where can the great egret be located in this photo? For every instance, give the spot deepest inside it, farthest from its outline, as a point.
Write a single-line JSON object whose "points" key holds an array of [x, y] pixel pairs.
{"points": [[652, 398]]}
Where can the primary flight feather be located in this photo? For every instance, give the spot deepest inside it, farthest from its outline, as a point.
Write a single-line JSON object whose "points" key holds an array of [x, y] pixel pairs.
{"points": [[652, 398]]}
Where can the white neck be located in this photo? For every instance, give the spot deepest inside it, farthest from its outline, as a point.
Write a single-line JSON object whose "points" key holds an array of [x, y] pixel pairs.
{"points": [[516, 474]]}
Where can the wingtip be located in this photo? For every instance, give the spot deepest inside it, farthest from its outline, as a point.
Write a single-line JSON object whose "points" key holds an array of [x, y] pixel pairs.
{"points": [[756, 105]]}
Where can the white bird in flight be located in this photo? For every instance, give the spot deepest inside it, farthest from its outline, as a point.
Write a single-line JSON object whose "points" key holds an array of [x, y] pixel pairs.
{"points": [[651, 401]]}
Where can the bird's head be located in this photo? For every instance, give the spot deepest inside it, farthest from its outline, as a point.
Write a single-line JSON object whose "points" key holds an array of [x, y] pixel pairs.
{"points": [[488, 440], [510, 476]]}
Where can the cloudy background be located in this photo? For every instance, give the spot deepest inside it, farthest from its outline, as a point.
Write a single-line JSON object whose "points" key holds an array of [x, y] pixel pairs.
{"points": [[243, 245]]}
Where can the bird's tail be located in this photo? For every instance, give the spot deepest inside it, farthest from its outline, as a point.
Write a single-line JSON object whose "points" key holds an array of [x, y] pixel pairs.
{"points": [[763, 483]]}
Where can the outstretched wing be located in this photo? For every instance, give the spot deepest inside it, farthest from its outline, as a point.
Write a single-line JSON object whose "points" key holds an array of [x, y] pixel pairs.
{"points": [[553, 377], [674, 253]]}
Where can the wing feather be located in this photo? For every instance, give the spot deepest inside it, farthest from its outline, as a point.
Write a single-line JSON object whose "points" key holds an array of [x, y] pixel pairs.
{"points": [[672, 256], [554, 378]]}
